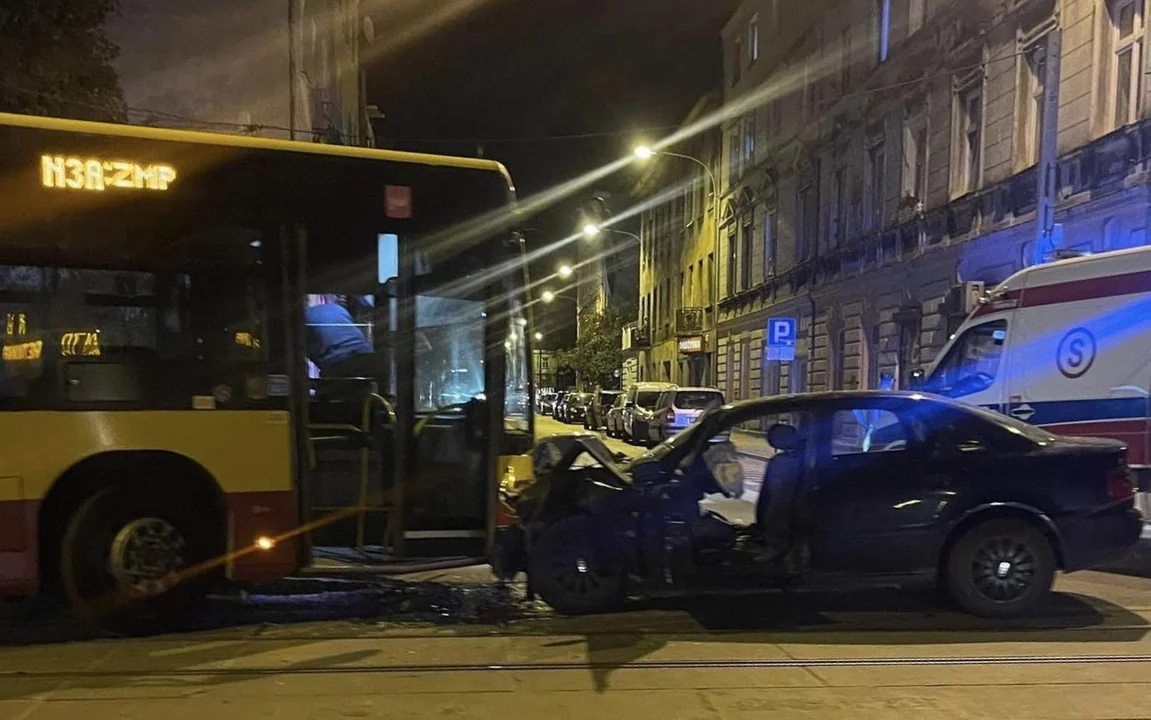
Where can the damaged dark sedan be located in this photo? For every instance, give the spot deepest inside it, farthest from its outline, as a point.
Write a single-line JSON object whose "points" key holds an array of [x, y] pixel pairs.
{"points": [[854, 488]]}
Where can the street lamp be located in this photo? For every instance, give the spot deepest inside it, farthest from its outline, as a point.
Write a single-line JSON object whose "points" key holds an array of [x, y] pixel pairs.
{"points": [[643, 152], [548, 296], [565, 271], [591, 230], [538, 336]]}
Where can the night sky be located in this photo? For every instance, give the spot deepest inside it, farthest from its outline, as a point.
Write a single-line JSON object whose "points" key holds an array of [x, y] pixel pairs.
{"points": [[526, 69]]}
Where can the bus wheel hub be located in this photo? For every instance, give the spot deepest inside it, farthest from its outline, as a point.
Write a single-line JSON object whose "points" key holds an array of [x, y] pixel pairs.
{"points": [[144, 553]]}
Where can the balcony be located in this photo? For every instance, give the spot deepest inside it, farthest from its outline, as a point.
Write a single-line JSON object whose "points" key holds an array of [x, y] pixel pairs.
{"points": [[636, 337], [690, 321]]}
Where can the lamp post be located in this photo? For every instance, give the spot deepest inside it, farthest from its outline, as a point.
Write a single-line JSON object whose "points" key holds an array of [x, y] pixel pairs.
{"points": [[592, 231], [646, 152]]}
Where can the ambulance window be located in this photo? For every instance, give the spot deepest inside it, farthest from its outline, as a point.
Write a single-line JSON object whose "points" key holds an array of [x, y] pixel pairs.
{"points": [[973, 361]]}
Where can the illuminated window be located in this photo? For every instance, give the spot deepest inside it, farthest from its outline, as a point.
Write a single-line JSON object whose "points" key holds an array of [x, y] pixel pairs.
{"points": [[915, 15], [1123, 72], [753, 39], [967, 139], [882, 29], [1032, 87]]}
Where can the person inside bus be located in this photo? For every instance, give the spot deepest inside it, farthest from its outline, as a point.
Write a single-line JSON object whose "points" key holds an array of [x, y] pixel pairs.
{"points": [[336, 344]]}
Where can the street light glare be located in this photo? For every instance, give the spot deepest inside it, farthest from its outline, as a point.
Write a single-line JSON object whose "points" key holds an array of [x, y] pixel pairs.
{"points": [[643, 152], [548, 296], [565, 271], [591, 230], [538, 336]]}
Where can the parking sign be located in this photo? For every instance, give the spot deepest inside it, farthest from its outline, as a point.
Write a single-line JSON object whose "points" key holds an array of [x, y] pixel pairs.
{"points": [[781, 336]]}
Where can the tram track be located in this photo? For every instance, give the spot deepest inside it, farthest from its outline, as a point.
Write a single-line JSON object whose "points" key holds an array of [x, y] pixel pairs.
{"points": [[530, 667], [305, 629]]}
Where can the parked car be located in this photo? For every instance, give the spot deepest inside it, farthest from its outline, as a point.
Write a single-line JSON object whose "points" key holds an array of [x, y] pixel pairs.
{"points": [[576, 407], [596, 416], [864, 487], [678, 408], [614, 417], [639, 409], [546, 404]]}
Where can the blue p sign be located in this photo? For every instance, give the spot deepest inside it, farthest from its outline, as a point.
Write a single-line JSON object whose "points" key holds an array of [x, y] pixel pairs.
{"points": [[781, 332]]}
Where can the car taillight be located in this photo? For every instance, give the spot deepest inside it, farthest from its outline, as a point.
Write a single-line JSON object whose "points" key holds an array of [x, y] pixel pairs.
{"points": [[1121, 483], [671, 416]]}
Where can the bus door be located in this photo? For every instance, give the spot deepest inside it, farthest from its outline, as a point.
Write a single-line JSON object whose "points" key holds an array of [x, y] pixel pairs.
{"points": [[446, 326]]}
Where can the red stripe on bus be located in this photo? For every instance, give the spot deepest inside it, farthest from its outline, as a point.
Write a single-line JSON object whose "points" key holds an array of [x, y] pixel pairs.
{"points": [[19, 547], [263, 514]]}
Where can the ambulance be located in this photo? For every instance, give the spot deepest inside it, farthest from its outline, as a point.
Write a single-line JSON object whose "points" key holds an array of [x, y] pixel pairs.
{"points": [[1064, 345]]}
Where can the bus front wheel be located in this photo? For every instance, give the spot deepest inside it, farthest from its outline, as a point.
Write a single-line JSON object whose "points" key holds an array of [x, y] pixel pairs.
{"points": [[133, 561]]}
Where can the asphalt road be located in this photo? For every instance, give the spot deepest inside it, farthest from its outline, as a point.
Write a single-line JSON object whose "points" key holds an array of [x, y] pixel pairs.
{"points": [[452, 645]]}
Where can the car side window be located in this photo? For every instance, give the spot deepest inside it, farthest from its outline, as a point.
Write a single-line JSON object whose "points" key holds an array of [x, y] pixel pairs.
{"points": [[972, 362], [866, 430]]}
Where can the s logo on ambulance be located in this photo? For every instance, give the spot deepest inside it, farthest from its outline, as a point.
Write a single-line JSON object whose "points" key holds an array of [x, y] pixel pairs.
{"points": [[1076, 353]]}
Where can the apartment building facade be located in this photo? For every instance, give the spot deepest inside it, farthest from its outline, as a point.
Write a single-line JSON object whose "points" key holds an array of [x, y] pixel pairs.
{"points": [[674, 337], [879, 171]]}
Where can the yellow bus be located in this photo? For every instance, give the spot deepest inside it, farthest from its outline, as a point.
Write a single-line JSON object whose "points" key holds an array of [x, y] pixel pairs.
{"points": [[226, 356]]}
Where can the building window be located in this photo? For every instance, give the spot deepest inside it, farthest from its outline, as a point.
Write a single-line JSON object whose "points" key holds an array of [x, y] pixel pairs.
{"points": [[708, 279], [769, 243], [845, 60], [745, 368], [1125, 69], [746, 252], [968, 139], [839, 374], [806, 222], [882, 29], [909, 349], [732, 264], [752, 39], [806, 90], [774, 120], [915, 153], [733, 157], [1032, 86], [875, 177], [839, 205], [736, 62], [915, 12], [748, 140]]}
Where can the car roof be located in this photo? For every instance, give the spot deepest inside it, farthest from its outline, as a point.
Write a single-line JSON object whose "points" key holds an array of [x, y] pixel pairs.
{"points": [[699, 389], [836, 396], [654, 386]]}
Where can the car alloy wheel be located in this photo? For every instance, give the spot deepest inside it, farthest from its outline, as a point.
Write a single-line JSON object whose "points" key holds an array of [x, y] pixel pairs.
{"points": [[573, 568], [1003, 568], [1000, 568]]}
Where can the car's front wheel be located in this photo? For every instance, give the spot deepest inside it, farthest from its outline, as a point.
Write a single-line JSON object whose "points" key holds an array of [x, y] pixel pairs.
{"points": [[1000, 568], [574, 570]]}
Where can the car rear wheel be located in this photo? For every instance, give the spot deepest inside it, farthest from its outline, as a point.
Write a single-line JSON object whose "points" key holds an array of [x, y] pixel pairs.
{"points": [[573, 568], [1000, 568]]}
